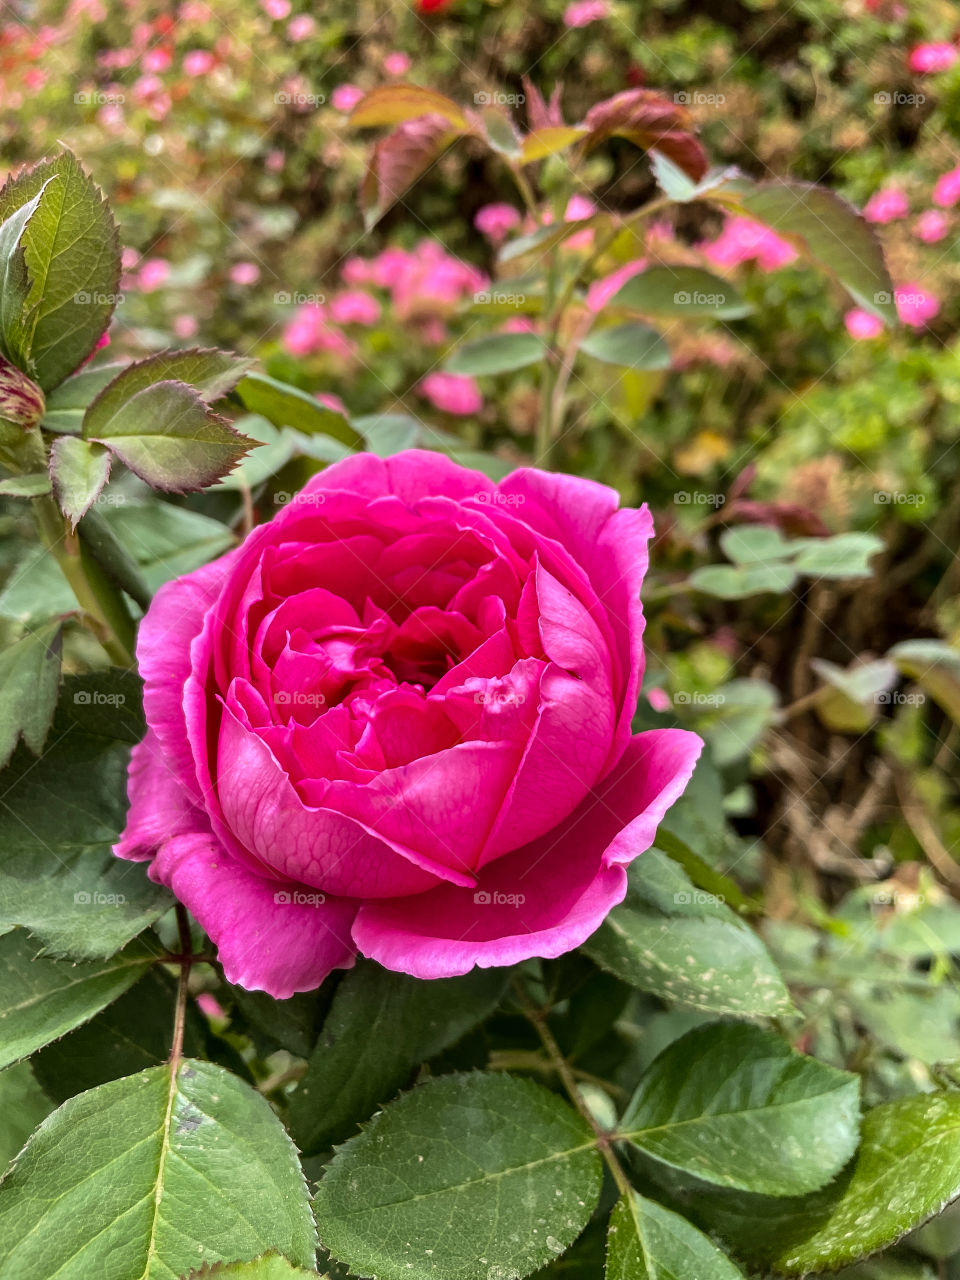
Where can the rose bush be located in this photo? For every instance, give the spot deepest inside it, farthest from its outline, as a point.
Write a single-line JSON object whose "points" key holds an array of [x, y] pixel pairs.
{"points": [[397, 720]]}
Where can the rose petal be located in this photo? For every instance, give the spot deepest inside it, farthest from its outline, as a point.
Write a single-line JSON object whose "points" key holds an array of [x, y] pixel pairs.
{"points": [[159, 804]]}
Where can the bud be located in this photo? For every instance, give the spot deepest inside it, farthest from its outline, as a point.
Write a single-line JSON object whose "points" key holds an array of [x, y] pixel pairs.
{"points": [[21, 400]]}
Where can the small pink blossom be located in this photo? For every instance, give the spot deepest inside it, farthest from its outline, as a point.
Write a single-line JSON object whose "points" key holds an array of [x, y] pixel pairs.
{"points": [[931, 226], [300, 28], [276, 9], [345, 97], [602, 290], [861, 324], [519, 324], [355, 306], [210, 1005], [274, 161], [330, 401], [743, 240], [355, 270], [185, 327], [452, 393], [928, 59], [128, 258], [157, 60], [659, 699], [947, 191], [496, 221], [301, 336], [244, 273], [578, 208], [198, 62], [153, 273], [886, 205], [396, 64], [916, 305], [583, 12]]}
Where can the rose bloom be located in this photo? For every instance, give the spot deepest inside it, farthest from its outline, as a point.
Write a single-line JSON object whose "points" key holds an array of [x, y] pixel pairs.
{"points": [[396, 64], [153, 273], [244, 273], [886, 205], [495, 221], [345, 97], [743, 240], [452, 393], [861, 324], [916, 305], [947, 191], [397, 721], [930, 58], [931, 226], [198, 62], [583, 12], [355, 306]]}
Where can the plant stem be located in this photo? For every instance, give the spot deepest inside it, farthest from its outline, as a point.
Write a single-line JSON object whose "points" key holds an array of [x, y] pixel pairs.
{"points": [[183, 986], [102, 605], [538, 1017]]}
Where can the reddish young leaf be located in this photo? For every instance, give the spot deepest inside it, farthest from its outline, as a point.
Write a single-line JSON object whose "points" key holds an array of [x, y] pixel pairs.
{"points": [[399, 159], [648, 119]]}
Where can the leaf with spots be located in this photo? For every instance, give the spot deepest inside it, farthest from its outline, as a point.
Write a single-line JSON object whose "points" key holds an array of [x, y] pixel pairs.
{"points": [[150, 1176], [648, 1242]]}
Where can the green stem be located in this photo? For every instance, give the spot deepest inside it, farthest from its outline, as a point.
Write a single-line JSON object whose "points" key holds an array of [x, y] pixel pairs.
{"points": [[100, 601], [183, 986]]}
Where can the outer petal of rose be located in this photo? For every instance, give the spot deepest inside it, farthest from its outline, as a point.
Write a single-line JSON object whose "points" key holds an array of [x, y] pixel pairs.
{"points": [[266, 940], [160, 807], [174, 618], [556, 890], [611, 546], [412, 475]]}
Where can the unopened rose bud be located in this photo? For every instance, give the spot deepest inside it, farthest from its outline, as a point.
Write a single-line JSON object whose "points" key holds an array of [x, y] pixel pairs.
{"points": [[21, 400]]}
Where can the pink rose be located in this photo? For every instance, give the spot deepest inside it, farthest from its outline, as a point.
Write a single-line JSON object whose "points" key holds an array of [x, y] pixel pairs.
{"points": [[886, 205], [396, 720], [916, 305], [930, 58], [153, 273], [396, 64], [300, 28], [861, 324], [355, 306], [583, 12], [452, 393], [198, 62], [743, 240], [244, 273], [345, 97], [931, 226], [495, 221], [947, 191]]}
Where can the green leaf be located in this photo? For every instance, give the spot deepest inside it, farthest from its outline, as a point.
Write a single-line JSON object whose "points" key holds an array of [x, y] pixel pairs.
{"points": [[131, 1034], [846, 555], [737, 582], [825, 228], [744, 711], [149, 1175], [648, 1242], [67, 403], [750, 544], [395, 103], [29, 679], [42, 999], [271, 1267], [79, 470], [633, 346], [465, 1178], [936, 668], [287, 406], [380, 1027], [165, 540], [34, 485], [681, 291], [15, 280], [211, 373], [72, 256], [906, 1171], [686, 946], [499, 353], [735, 1106], [167, 436], [23, 1104], [59, 819], [550, 141], [500, 131]]}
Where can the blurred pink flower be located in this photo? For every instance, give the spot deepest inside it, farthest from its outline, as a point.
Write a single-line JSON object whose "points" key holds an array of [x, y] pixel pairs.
{"points": [[519, 324], [861, 324], [930, 58], [128, 258], [743, 240], [210, 1005], [579, 208], [931, 226], [916, 305], [198, 62], [330, 401], [345, 97], [396, 64], [356, 306], [431, 281], [583, 12], [276, 9], [947, 191], [153, 273], [301, 335], [185, 327], [157, 60], [355, 270], [452, 393], [300, 28], [886, 205], [244, 273], [495, 221], [659, 699], [602, 290], [274, 161], [387, 266]]}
